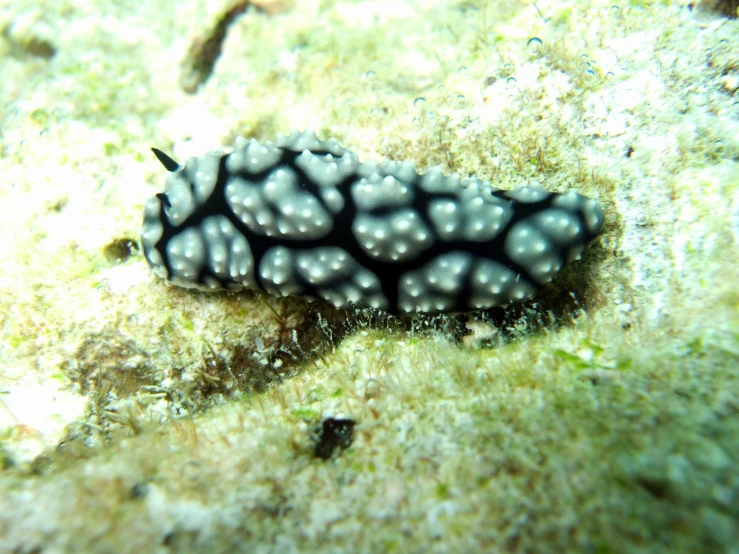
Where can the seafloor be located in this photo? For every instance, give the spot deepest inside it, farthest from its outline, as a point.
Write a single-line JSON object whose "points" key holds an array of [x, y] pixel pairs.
{"points": [[601, 417]]}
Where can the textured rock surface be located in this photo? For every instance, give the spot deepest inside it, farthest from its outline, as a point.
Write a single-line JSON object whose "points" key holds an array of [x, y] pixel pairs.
{"points": [[611, 428]]}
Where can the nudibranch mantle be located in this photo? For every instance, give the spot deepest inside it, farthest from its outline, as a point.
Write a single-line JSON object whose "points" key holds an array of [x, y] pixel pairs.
{"points": [[305, 217]]}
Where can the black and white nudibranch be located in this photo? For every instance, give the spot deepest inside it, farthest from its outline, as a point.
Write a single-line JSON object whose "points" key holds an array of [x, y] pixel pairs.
{"points": [[304, 217]]}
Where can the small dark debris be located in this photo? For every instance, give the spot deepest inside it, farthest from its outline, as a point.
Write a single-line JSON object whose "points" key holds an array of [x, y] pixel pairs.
{"points": [[35, 549], [181, 541], [728, 8], [6, 461], [658, 487], [23, 47], [40, 48], [57, 206], [119, 250], [457, 328], [41, 465], [334, 433], [629, 151], [138, 491], [205, 50]]}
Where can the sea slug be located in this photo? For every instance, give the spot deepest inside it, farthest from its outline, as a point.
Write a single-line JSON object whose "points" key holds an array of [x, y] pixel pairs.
{"points": [[304, 217]]}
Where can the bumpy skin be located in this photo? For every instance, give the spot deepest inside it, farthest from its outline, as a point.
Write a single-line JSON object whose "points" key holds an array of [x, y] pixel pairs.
{"points": [[305, 217]]}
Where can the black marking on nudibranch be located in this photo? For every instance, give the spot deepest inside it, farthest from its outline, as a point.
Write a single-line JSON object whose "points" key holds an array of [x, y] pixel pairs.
{"points": [[304, 217]]}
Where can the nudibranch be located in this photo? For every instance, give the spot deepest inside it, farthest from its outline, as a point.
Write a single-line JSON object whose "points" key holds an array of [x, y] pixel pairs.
{"points": [[305, 217]]}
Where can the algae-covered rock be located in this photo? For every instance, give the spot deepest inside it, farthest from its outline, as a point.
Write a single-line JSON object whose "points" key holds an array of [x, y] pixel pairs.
{"points": [[600, 416]]}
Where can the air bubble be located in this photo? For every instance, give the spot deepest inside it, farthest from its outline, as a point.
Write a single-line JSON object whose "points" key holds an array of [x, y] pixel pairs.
{"points": [[419, 102], [461, 100], [641, 219], [535, 46], [463, 70], [375, 113], [369, 76], [510, 81]]}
